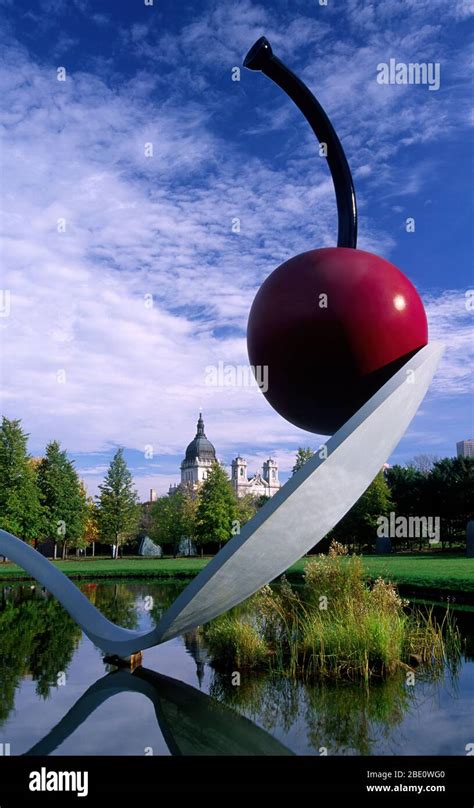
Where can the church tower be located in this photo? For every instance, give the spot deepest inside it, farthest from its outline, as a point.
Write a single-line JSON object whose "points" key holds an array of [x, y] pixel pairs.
{"points": [[270, 475], [239, 475]]}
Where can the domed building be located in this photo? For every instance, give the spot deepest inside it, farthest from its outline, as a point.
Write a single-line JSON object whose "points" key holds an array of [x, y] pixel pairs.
{"points": [[198, 459], [201, 454]]}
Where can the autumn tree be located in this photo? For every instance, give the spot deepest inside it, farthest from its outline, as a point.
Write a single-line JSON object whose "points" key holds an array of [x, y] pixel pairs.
{"points": [[91, 526]]}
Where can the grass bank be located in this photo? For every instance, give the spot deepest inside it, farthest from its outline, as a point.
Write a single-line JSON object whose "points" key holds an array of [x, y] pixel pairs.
{"points": [[429, 574], [425, 572], [128, 567]]}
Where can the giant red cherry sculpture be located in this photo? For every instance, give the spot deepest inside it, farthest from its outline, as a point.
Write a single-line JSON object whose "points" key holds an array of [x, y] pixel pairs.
{"points": [[331, 325]]}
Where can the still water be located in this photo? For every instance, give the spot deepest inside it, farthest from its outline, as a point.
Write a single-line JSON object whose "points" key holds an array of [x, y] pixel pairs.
{"points": [[58, 696]]}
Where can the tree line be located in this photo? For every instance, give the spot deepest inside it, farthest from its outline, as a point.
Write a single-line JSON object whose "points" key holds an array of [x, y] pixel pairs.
{"points": [[425, 487], [44, 500], [208, 516]]}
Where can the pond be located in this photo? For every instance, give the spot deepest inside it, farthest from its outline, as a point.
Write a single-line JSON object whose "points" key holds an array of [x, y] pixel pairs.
{"points": [[58, 695]]}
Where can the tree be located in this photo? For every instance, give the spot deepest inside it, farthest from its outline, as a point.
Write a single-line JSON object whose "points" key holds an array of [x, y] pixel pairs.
{"points": [[450, 488], [145, 522], [173, 519], [408, 490], [302, 456], [190, 503], [247, 507], [361, 522], [405, 483], [20, 508], [118, 514], [62, 497], [423, 463], [216, 512], [91, 525]]}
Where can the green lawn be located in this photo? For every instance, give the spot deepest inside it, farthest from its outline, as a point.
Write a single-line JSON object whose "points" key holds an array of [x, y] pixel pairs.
{"points": [[433, 572], [429, 571], [128, 567]]}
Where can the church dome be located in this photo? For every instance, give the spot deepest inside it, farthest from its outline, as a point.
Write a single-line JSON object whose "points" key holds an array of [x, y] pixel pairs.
{"points": [[200, 448]]}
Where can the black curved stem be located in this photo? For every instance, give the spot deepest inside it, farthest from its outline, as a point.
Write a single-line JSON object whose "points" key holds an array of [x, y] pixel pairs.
{"points": [[261, 57]]}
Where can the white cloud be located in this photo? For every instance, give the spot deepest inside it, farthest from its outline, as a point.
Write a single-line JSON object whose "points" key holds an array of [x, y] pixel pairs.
{"points": [[384, 13], [451, 322]]}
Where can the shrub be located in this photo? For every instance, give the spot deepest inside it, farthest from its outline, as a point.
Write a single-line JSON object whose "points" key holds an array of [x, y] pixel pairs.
{"points": [[335, 625]]}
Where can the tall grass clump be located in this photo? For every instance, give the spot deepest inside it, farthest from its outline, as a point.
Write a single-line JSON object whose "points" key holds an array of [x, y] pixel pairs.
{"points": [[335, 625], [236, 642]]}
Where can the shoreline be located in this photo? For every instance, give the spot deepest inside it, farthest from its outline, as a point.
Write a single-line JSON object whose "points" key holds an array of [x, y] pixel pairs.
{"points": [[445, 590]]}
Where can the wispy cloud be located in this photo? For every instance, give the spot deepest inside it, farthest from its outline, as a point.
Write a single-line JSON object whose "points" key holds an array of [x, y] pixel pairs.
{"points": [[114, 321], [451, 322]]}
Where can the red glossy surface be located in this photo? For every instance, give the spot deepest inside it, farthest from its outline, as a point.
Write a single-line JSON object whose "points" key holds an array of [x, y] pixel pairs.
{"points": [[325, 362]]}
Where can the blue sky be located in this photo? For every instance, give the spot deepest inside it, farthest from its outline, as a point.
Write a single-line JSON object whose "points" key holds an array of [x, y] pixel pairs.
{"points": [[114, 321]]}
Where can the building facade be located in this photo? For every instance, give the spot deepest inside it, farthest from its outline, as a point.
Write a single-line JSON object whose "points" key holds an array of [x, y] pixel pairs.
{"points": [[465, 448], [201, 454], [266, 484]]}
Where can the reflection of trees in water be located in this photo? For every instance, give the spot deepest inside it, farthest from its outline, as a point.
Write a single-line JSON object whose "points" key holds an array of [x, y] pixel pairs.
{"points": [[163, 594], [115, 600], [340, 717], [352, 717], [266, 699], [37, 638], [121, 602]]}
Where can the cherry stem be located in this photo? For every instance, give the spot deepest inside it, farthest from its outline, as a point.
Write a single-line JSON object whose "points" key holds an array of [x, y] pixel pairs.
{"points": [[261, 57]]}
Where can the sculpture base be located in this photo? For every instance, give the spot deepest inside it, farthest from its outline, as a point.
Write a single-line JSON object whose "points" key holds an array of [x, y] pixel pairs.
{"points": [[130, 662]]}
